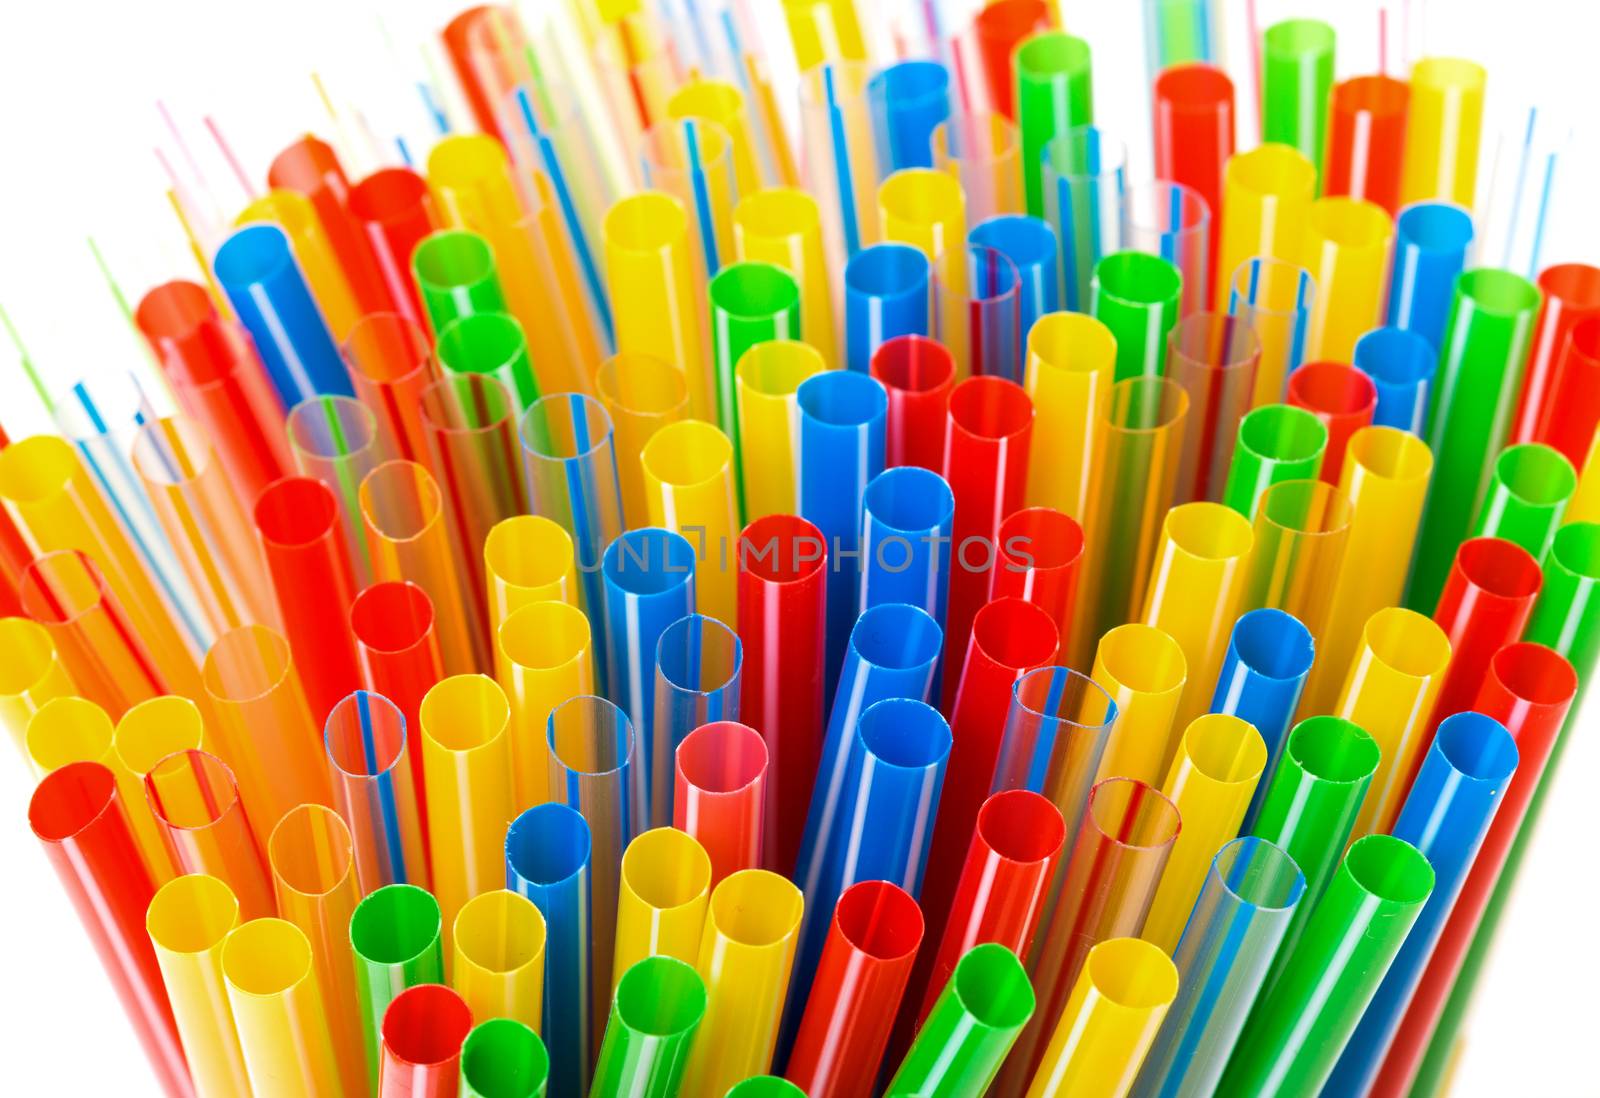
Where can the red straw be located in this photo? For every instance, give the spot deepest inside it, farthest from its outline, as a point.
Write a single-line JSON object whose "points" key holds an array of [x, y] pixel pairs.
{"points": [[311, 167], [1366, 139], [1571, 295], [719, 792], [394, 210], [1573, 411], [1342, 397], [1041, 551], [422, 1033], [983, 52], [1194, 137], [918, 373]]}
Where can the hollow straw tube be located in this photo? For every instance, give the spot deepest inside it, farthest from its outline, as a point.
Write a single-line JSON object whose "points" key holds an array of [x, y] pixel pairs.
{"points": [[1193, 134], [691, 484], [1196, 582], [981, 149], [308, 559], [1277, 442], [1143, 671], [1485, 605], [1447, 815], [268, 293], [395, 936], [1142, 440], [492, 344], [294, 213], [503, 1057], [927, 210], [720, 791], [982, 323], [1342, 397], [751, 303], [1528, 494], [1040, 553], [1055, 736], [1083, 187], [98, 648], [723, 103], [399, 655], [498, 961], [841, 165], [972, 1028], [1400, 363], [1214, 357], [373, 757], [77, 815], [528, 559], [1251, 891], [782, 225], [1480, 367], [547, 852], [698, 661], [1585, 505], [649, 583], [337, 440], [1301, 531], [1443, 131], [641, 394], [456, 273], [982, 53], [1571, 415], [278, 1009], [1563, 352], [1068, 375], [907, 515], [187, 921], [311, 167], [1345, 247], [544, 655], [1266, 197], [765, 384], [1172, 221], [1298, 1029], [422, 1034], [1275, 298], [987, 432], [918, 375], [1054, 94], [1105, 889], [1366, 139], [661, 902], [1430, 252], [1030, 244], [314, 882], [394, 210], [34, 675], [659, 1005], [1296, 78], [1136, 296], [746, 953], [1219, 763], [907, 100], [195, 802], [1263, 673], [218, 381]]}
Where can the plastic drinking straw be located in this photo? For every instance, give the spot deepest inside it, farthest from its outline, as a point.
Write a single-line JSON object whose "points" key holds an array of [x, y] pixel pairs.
{"points": [[765, 1086], [981, 150], [690, 484], [337, 440], [1366, 139], [1342, 397], [886, 296], [1442, 131], [1250, 893], [658, 1006], [395, 935], [297, 520], [1585, 505], [751, 303], [377, 786], [765, 383], [1083, 187], [982, 324], [1266, 197], [394, 211], [1171, 221], [1479, 370], [1485, 605], [195, 804], [1346, 249], [528, 559], [641, 394], [1564, 343], [1447, 815], [907, 100], [1218, 766], [308, 245], [1301, 531], [1054, 95], [719, 794], [1105, 889], [661, 902], [393, 624], [1276, 443], [1040, 552], [1030, 244], [472, 181], [1299, 1028], [544, 655], [1196, 583], [982, 53], [1177, 31], [1068, 375], [988, 428], [1142, 435], [502, 1058], [268, 293], [569, 457], [87, 630], [1296, 79], [873, 936], [1143, 671], [483, 46], [1214, 357], [547, 852], [927, 210], [822, 29], [1055, 736], [278, 1009], [783, 226], [1528, 494], [1193, 134], [313, 878], [973, 1025], [1430, 252], [1136, 296], [34, 674], [649, 584], [723, 103], [492, 344], [746, 952], [840, 165], [217, 379], [457, 275], [311, 167], [693, 160], [498, 962], [1400, 364], [1263, 673], [422, 1034], [47, 490], [698, 660], [918, 374], [1571, 414], [1275, 299], [76, 813], [187, 921]]}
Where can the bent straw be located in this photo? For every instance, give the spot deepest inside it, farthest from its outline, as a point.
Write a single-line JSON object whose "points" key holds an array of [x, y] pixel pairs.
{"points": [[498, 961]]}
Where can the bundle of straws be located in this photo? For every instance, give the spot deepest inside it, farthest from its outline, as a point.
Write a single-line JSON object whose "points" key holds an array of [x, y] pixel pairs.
{"points": [[662, 594]]}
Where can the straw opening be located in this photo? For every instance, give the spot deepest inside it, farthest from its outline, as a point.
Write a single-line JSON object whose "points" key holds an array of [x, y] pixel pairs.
{"points": [[887, 270], [755, 908], [770, 549], [1021, 826], [1143, 659], [67, 800], [1390, 453], [154, 729], [752, 290], [542, 636], [332, 427], [1536, 474], [778, 367], [1273, 169], [1259, 873], [294, 512], [34, 469], [400, 500], [389, 195], [666, 868], [191, 914], [454, 257], [1137, 278], [1575, 284], [1280, 432], [502, 1058], [1015, 633], [647, 222], [1499, 292], [842, 398], [365, 734], [1225, 748], [1577, 549], [687, 453], [1306, 507], [500, 931], [991, 985], [1334, 388], [311, 851], [266, 957], [1383, 96], [29, 654], [1059, 694], [642, 385], [464, 712], [1145, 404], [191, 790], [395, 924], [1209, 531], [1273, 643], [253, 254], [1039, 538], [1477, 746], [991, 408], [246, 664], [1435, 227], [1129, 813], [1132, 973], [1390, 869], [590, 737], [699, 654], [391, 616], [660, 996], [896, 636], [1408, 642], [1500, 568], [1051, 53], [1193, 88], [528, 551], [1332, 749], [909, 499], [1533, 673], [879, 919], [722, 757], [914, 364], [425, 1025], [466, 404], [61, 587], [548, 844], [903, 733], [649, 561]]}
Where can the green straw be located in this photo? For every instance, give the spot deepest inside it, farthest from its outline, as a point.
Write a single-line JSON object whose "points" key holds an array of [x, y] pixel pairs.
{"points": [[974, 1023], [658, 1006], [1296, 79], [456, 274], [394, 936], [1528, 494], [1276, 442], [1054, 95], [1136, 295], [492, 344], [26, 362], [1298, 1030], [503, 1058], [765, 1086]]}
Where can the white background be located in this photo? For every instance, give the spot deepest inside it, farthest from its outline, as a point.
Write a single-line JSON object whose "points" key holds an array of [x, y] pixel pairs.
{"points": [[78, 83]]}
